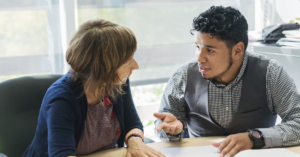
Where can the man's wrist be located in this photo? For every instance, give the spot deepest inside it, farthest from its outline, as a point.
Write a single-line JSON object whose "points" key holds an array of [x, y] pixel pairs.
{"points": [[179, 135], [257, 138], [175, 138], [183, 128]]}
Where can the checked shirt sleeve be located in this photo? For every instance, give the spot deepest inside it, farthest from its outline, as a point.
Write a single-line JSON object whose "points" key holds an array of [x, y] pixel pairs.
{"points": [[284, 99], [173, 99]]}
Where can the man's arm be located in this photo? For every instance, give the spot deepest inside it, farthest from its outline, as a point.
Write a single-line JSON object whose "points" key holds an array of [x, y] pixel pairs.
{"points": [[173, 99], [284, 98]]}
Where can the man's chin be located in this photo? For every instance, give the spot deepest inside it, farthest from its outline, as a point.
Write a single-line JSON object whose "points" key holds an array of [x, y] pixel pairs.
{"points": [[206, 77]]}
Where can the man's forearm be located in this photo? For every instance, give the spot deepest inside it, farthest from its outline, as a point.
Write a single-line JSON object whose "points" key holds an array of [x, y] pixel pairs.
{"points": [[272, 137]]}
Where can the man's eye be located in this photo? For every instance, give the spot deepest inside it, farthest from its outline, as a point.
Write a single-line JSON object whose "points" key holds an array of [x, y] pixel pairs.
{"points": [[197, 46], [209, 50]]}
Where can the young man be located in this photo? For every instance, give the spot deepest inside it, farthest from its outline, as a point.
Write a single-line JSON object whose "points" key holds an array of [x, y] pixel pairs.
{"points": [[228, 91]]}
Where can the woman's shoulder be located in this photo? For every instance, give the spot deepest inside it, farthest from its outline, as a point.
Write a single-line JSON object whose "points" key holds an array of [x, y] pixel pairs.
{"points": [[64, 88], [62, 85]]}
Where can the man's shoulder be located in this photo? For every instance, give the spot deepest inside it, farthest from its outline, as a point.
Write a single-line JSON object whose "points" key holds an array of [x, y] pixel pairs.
{"points": [[257, 55], [186, 65], [272, 63], [192, 61], [180, 75], [181, 72]]}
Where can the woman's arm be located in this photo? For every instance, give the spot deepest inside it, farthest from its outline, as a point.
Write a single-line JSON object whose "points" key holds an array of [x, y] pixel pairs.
{"points": [[136, 131], [60, 117], [131, 118], [59, 112], [136, 146]]}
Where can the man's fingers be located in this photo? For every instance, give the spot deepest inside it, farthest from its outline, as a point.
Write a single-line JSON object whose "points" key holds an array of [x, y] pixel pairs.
{"points": [[176, 130], [164, 126], [233, 151], [160, 127], [217, 144], [159, 115], [223, 145], [166, 129], [172, 130], [228, 148]]}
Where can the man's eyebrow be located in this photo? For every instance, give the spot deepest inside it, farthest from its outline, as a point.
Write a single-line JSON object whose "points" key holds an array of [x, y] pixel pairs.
{"points": [[209, 46]]}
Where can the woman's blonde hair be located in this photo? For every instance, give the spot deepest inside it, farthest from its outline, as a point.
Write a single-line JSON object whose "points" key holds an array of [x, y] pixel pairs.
{"points": [[95, 53]]}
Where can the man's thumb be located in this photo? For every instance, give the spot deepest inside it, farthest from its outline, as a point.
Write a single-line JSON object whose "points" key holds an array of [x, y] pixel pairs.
{"points": [[159, 115]]}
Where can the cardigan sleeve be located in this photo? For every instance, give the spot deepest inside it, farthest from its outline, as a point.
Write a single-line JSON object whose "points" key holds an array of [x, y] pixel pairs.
{"points": [[60, 119], [131, 118]]}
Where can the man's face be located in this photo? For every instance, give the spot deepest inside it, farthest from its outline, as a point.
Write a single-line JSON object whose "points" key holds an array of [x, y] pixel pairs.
{"points": [[213, 56]]}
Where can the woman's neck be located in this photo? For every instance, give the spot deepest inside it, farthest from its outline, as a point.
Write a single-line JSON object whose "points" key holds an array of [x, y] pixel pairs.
{"points": [[92, 97]]}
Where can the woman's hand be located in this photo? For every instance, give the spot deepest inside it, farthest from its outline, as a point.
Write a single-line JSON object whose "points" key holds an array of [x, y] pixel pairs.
{"points": [[137, 148]]}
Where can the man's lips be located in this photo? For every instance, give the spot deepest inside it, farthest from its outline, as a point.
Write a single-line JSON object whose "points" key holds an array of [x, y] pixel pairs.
{"points": [[204, 70]]}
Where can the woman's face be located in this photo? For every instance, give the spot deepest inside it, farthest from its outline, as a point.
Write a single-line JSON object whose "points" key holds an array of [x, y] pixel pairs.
{"points": [[126, 69]]}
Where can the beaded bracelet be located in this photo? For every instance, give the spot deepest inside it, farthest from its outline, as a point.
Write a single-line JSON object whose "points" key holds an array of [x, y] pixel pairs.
{"points": [[135, 135]]}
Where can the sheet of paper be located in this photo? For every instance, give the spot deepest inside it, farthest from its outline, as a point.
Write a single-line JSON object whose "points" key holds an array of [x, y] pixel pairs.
{"points": [[272, 152], [190, 151], [212, 152]]}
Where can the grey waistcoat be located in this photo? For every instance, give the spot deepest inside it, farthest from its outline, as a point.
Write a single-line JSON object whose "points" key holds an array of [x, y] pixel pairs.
{"points": [[253, 111]]}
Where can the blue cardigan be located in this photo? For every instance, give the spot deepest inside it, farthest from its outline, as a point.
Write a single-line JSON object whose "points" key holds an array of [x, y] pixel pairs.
{"points": [[62, 116]]}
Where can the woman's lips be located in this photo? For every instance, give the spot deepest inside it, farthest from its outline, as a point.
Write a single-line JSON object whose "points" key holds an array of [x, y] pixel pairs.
{"points": [[204, 70], [129, 75]]}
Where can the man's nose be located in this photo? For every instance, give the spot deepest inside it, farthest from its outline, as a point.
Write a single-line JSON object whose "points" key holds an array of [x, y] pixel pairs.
{"points": [[200, 56]]}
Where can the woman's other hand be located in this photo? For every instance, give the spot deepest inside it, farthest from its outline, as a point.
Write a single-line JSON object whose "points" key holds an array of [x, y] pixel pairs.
{"points": [[137, 148]]}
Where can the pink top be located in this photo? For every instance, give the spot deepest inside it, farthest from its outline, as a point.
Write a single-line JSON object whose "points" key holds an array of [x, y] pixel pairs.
{"points": [[101, 131]]}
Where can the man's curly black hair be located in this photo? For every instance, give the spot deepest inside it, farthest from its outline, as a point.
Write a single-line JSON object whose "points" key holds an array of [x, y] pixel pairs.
{"points": [[225, 23]]}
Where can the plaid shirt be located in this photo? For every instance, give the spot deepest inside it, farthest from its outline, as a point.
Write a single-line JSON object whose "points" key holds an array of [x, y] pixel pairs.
{"points": [[283, 99]]}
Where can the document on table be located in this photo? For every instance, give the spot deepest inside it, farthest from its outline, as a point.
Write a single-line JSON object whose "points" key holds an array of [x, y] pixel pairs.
{"points": [[212, 152]]}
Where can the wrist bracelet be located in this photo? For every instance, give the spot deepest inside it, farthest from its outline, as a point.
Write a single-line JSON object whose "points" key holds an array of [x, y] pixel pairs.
{"points": [[134, 135]]}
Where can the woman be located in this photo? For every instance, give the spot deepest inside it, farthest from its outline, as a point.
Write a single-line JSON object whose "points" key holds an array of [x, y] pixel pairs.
{"points": [[90, 108]]}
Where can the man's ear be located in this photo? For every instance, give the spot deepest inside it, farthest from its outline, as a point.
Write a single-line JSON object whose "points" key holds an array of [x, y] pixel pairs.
{"points": [[238, 50]]}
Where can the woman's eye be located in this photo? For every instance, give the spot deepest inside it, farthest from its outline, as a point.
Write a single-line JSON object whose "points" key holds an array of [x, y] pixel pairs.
{"points": [[197, 46]]}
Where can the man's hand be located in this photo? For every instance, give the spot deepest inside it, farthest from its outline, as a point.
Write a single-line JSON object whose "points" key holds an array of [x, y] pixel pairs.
{"points": [[234, 144], [137, 148], [170, 124]]}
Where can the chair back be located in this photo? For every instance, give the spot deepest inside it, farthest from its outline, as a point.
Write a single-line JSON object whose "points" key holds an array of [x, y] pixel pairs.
{"points": [[20, 102]]}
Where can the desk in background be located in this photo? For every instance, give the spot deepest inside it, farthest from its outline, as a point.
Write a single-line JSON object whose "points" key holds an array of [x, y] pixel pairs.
{"points": [[289, 57]]}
